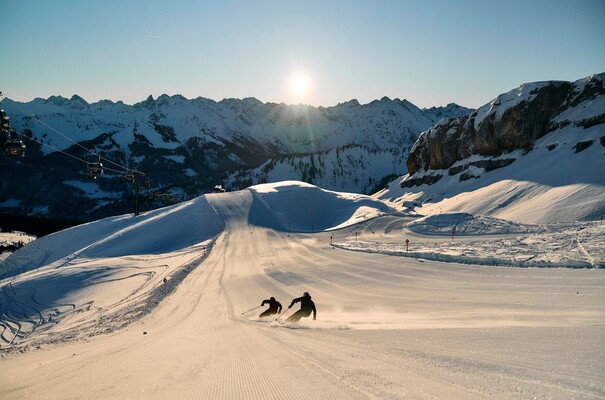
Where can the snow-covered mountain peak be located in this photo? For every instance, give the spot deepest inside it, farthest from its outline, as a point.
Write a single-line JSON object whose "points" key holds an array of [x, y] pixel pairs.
{"points": [[350, 103], [196, 142], [449, 111], [147, 103], [57, 100], [104, 103]]}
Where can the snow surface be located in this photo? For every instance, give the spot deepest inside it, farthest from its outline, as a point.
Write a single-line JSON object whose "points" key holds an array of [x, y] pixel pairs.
{"points": [[467, 224], [93, 298], [12, 238], [572, 245], [551, 183], [91, 189]]}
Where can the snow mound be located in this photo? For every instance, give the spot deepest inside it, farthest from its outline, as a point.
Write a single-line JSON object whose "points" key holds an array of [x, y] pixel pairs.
{"points": [[302, 207], [98, 277], [156, 232], [467, 224]]}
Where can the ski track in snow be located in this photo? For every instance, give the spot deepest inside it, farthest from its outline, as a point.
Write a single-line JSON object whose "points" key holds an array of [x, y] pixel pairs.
{"points": [[551, 247], [387, 327]]}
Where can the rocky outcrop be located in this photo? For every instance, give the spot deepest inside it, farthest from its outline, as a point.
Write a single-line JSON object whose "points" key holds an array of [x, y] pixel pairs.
{"points": [[487, 164], [513, 121], [423, 180]]}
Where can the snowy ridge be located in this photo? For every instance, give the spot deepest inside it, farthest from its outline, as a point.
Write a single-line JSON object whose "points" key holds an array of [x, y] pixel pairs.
{"points": [[295, 128], [549, 168], [497, 107], [290, 200]]}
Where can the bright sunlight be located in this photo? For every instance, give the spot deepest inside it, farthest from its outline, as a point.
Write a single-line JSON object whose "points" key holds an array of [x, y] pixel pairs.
{"points": [[299, 84]]}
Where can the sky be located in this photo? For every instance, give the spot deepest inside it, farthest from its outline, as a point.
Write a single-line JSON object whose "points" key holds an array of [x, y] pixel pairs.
{"points": [[314, 52]]}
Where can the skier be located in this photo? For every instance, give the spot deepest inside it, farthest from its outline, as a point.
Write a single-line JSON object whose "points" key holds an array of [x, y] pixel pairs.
{"points": [[306, 307], [274, 307]]}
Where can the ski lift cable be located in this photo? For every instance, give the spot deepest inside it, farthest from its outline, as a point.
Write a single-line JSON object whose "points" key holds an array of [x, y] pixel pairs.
{"points": [[55, 149], [69, 155], [79, 145], [37, 118], [122, 171]]}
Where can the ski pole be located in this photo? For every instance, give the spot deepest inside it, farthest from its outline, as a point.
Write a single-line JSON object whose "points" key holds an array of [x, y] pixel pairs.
{"points": [[252, 309], [281, 314]]}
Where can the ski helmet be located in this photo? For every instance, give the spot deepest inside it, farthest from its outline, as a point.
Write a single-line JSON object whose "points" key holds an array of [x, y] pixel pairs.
{"points": [[272, 299], [306, 294]]}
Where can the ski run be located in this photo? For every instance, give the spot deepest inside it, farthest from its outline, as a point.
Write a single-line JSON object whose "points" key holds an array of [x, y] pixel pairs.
{"points": [[154, 306]]}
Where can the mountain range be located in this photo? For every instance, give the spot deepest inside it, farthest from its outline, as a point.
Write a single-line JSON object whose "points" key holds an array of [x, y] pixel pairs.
{"points": [[187, 146]]}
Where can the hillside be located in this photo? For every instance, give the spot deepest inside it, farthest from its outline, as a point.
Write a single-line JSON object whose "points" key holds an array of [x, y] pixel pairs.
{"points": [[167, 304], [535, 154]]}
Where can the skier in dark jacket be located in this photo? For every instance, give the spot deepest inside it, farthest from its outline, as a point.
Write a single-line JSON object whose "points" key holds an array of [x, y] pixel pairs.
{"points": [[274, 307], [306, 307]]}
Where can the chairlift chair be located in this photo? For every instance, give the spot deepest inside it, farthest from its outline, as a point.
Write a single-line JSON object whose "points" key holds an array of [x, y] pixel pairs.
{"points": [[5, 121], [127, 178], [94, 168], [14, 148]]}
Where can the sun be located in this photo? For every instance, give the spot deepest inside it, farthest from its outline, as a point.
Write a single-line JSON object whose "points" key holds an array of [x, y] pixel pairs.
{"points": [[299, 84]]}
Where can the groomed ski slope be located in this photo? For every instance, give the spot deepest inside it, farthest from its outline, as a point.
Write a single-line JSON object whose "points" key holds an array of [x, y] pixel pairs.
{"points": [[387, 327]]}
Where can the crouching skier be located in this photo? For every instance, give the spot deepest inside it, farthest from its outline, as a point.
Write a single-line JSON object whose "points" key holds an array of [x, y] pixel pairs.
{"points": [[274, 307], [306, 307]]}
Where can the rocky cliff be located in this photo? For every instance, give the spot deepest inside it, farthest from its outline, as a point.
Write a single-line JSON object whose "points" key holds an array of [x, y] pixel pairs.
{"points": [[512, 121]]}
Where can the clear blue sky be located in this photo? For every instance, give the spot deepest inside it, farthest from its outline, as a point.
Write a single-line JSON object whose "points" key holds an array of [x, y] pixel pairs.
{"points": [[429, 52]]}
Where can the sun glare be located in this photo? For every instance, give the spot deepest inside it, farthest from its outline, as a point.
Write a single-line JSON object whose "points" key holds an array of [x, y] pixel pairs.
{"points": [[299, 84]]}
